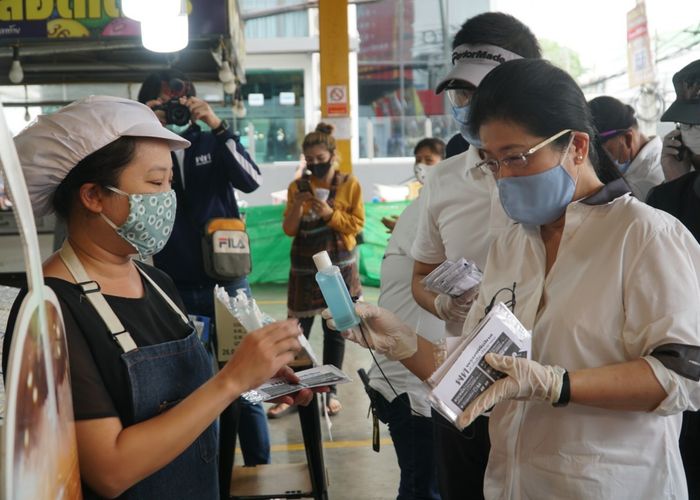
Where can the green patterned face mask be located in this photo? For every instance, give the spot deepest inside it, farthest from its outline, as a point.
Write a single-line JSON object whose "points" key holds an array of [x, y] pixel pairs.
{"points": [[150, 221]]}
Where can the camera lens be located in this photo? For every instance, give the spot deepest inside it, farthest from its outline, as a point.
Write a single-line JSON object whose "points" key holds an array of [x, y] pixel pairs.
{"points": [[178, 114]]}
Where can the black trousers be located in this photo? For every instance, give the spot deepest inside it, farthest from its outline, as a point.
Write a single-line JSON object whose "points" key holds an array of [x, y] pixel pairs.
{"points": [[333, 344], [461, 458], [690, 452]]}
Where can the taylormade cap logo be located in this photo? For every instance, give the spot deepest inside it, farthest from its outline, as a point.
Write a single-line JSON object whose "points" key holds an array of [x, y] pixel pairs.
{"points": [[477, 54], [471, 63], [487, 53]]}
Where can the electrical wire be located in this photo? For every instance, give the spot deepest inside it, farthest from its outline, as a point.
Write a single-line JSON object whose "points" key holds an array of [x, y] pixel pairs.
{"points": [[468, 433]]}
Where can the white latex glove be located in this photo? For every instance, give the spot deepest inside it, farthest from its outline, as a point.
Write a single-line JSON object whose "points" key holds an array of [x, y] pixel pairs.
{"points": [[383, 332], [451, 308], [525, 380], [671, 165]]}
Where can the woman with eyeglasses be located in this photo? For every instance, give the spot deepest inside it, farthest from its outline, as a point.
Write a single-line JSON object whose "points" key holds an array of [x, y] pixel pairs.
{"points": [[636, 156], [595, 412]]}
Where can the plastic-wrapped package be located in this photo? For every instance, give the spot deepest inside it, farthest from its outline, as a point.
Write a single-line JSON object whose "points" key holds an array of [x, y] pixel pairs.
{"points": [[453, 278], [246, 310], [465, 374]]}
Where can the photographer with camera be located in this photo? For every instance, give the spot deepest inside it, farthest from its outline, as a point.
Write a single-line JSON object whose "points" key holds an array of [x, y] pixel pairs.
{"points": [[204, 178]]}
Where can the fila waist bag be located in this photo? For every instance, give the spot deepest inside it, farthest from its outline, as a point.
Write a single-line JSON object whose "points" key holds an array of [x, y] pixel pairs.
{"points": [[226, 249]]}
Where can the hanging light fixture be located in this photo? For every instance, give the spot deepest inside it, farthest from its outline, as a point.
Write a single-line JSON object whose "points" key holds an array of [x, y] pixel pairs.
{"points": [[141, 10], [225, 73], [165, 34], [239, 109], [16, 74], [230, 87]]}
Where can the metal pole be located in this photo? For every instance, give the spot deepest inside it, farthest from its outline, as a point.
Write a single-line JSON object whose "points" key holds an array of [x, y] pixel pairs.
{"points": [[370, 139], [402, 97], [250, 129], [445, 47]]}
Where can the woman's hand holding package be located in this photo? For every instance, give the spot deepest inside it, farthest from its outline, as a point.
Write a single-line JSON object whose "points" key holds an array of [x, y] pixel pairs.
{"points": [[525, 380], [262, 354], [451, 308], [383, 332]]}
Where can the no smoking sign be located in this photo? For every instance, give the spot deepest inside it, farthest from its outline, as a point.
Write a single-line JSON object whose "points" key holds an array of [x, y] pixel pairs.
{"points": [[336, 100]]}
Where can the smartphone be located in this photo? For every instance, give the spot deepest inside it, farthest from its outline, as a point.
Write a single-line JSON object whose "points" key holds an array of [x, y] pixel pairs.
{"points": [[304, 185]]}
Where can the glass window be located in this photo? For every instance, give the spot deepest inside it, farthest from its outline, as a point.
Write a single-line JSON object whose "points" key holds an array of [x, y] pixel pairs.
{"points": [[403, 54], [274, 120], [290, 24]]}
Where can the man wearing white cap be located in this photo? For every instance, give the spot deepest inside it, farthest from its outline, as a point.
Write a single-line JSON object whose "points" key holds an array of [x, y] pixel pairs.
{"points": [[144, 396], [460, 216]]}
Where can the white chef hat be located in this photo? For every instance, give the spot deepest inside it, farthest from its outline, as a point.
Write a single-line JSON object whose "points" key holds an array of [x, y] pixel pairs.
{"points": [[52, 145]]}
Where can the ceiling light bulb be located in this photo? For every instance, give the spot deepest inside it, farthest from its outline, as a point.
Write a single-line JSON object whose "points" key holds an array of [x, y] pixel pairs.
{"points": [[142, 10], [230, 87], [27, 116], [16, 73], [165, 34], [225, 73]]}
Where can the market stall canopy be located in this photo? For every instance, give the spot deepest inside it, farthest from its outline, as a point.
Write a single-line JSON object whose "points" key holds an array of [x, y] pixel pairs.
{"points": [[82, 41]]}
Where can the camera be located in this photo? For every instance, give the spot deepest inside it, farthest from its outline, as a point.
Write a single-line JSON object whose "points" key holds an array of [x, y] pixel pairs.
{"points": [[175, 113]]}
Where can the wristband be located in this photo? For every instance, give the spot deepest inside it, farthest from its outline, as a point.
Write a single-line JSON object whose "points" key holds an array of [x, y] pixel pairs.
{"points": [[223, 127], [565, 394]]}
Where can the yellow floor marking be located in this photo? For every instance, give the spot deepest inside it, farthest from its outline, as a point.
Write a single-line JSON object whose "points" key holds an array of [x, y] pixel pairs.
{"points": [[329, 444]]}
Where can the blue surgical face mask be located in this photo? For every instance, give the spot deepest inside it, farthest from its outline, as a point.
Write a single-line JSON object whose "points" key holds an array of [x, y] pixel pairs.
{"points": [[623, 166], [149, 223], [177, 129], [461, 116], [538, 199]]}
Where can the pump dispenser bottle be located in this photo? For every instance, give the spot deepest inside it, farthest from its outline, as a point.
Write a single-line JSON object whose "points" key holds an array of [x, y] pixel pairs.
{"points": [[335, 292]]}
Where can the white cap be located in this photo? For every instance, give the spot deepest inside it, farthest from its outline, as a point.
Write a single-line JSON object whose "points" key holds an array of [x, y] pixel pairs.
{"points": [[471, 63], [53, 144], [322, 260]]}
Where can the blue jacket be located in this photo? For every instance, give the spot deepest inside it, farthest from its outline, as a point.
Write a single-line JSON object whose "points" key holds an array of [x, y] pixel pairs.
{"points": [[213, 166]]}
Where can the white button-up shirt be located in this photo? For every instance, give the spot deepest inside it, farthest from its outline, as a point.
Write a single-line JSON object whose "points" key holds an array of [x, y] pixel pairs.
{"points": [[626, 280]]}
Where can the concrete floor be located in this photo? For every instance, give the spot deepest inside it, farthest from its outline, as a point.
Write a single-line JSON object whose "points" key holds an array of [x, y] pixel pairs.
{"points": [[355, 471]]}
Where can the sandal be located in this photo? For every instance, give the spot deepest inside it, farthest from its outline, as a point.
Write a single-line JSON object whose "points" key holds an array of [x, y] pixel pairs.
{"points": [[280, 410], [333, 405]]}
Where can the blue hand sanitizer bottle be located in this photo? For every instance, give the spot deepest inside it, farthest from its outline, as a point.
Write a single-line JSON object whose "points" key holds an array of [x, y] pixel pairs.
{"points": [[335, 292]]}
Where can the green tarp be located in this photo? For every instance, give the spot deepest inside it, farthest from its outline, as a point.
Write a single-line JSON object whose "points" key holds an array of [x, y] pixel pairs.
{"points": [[270, 246]]}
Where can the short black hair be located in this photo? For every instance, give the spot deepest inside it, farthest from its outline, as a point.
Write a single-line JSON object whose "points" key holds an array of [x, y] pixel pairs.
{"points": [[102, 167], [611, 114], [151, 86], [435, 145], [536, 95], [501, 30]]}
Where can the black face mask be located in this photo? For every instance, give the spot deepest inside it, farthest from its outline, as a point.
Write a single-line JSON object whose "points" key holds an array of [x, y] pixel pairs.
{"points": [[319, 170]]}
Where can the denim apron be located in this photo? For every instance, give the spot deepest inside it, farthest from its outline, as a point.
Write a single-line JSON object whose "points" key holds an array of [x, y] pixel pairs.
{"points": [[160, 376]]}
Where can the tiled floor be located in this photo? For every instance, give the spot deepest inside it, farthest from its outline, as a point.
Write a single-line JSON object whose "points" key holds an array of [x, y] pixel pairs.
{"points": [[355, 471]]}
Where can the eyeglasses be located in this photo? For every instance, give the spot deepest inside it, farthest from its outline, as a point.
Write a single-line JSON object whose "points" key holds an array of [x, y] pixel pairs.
{"points": [[519, 161], [460, 96]]}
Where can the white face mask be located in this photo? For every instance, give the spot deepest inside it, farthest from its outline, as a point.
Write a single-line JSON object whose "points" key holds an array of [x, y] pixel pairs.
{"points": [[690, 136], [421, 171]]}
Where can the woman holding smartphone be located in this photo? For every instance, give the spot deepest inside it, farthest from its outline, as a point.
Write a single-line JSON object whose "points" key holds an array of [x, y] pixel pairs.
{"points": [[324, 212]]}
